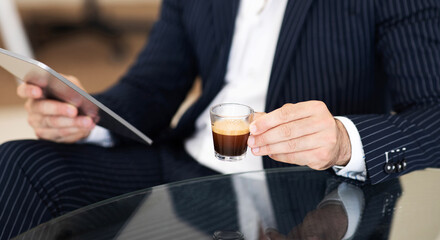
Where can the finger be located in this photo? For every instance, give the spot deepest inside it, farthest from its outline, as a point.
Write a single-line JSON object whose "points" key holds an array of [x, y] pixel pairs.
{"points": [[288, 112], [308, 142], [318, 159], [40, 121], [54, 134], [53, 107], [74, 80], [35, 120], [298, 158], [37, 80], [62, 122], [29, 91], [74, 137], [286, 131]]}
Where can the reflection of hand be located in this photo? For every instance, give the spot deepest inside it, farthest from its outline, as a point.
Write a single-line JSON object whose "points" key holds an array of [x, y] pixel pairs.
{"points": [[327, 222], [304, 134], [54, 120]]}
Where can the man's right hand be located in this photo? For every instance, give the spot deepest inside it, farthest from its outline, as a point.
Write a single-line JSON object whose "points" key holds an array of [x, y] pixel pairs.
{"points": [[54, 120]]}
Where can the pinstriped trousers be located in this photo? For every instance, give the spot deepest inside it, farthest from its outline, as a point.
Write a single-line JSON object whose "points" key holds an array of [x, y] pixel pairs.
{"points": [[40, 180]]}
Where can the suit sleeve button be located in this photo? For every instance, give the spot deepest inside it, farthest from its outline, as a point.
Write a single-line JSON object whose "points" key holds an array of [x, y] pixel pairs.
{"points": [[403, 163], [399, 167], [389, 168]]}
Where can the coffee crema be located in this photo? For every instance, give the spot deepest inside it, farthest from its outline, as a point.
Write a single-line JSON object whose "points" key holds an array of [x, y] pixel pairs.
{"points": [[230, 137]]}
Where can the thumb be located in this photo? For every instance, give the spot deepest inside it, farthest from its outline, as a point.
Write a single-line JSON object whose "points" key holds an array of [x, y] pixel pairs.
{"points": [[74, 80]]}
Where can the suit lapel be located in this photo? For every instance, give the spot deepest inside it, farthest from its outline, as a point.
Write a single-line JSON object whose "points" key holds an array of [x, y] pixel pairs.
{"points": [[223, 17], [294, 16], [224, 13]]}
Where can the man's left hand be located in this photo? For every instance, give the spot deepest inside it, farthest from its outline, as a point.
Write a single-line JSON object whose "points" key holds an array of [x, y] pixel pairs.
{"points": [[305, 133]]}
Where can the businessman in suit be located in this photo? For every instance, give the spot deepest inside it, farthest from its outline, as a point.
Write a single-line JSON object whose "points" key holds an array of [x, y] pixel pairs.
{"points": [[347, 85]]}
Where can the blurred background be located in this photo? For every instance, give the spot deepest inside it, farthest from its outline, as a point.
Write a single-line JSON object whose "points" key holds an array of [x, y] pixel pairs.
{"points": [[94, 40]]}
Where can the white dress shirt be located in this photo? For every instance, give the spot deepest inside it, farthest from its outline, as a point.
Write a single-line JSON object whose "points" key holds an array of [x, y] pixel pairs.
{"points": [[257, 28]]}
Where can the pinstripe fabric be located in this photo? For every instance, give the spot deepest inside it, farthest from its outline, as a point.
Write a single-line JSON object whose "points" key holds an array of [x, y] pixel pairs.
{"points": [[408, 42], [362, 58], [40, 180]]}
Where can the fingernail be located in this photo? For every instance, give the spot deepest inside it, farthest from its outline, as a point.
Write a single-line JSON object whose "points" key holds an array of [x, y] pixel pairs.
{"points": [[253, 128], [256, 150], [251, 140]]}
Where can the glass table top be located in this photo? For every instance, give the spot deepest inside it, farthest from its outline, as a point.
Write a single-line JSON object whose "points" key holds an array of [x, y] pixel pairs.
{"points": [[287, 203]]}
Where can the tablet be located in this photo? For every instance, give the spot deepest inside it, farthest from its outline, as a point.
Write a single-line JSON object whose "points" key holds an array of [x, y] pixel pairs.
{"points": [[55, 86]]}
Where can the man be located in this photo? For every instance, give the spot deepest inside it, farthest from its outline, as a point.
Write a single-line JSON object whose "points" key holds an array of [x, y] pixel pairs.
{"points": [[301, 61]]}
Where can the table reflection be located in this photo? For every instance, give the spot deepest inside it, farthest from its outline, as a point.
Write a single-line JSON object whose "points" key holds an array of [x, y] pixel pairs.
{"points": [[276, 204], [304, 205]]}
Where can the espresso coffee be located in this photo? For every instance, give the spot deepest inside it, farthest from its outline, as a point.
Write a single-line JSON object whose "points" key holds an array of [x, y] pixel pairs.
{"points": [[230, 137]]}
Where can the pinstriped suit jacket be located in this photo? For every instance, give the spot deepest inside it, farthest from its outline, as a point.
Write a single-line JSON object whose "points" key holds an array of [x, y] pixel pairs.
{"points": [[363, 58]]}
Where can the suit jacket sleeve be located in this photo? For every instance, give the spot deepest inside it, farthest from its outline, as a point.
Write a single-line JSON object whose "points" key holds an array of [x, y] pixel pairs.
{"points": [[408, 45], [153, 89]]}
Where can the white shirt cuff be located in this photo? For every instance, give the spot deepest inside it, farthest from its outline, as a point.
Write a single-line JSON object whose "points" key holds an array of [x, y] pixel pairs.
{"points": [[355, 169], [99, 136]]}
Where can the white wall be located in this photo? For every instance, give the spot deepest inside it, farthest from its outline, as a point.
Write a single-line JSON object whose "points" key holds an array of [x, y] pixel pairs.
{"points": [[417, 213], [13, 124]]}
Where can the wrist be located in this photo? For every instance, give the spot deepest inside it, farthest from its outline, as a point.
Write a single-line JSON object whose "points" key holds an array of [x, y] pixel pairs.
{"points": [[344, 154]]}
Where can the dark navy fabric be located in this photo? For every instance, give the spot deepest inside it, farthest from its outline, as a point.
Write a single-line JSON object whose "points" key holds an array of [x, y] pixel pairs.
{"points": [[374, 61]]}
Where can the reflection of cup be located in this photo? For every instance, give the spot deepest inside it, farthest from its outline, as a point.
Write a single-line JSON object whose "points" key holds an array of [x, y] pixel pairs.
{"points": [[230, 130]]}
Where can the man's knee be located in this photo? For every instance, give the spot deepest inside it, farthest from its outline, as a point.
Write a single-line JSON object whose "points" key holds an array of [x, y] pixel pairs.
{"points": [[35, 164], [32, 159], [15, 152], [24, 203]]}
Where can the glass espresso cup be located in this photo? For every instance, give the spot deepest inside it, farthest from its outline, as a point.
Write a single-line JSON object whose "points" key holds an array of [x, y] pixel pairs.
{"points": [[230, 130]]}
